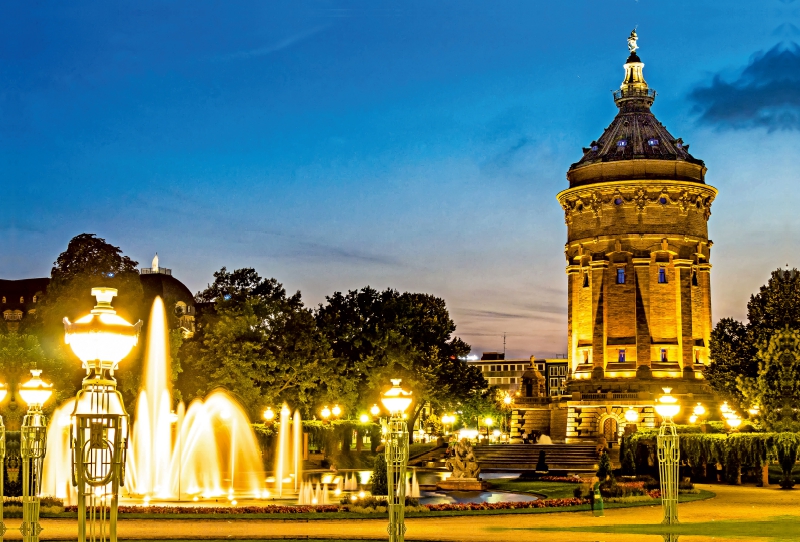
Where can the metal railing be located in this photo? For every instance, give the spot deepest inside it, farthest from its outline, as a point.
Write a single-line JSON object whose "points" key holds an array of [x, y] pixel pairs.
{"points": [[156, 271], [634, 93]]}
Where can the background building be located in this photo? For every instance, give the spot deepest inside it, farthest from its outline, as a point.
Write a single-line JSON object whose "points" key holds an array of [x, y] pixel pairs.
{"points": [[18, 298]]}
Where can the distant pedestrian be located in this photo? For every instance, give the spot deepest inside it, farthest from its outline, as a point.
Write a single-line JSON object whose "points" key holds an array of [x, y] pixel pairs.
{"points": [[524, 436], [596, 499]]}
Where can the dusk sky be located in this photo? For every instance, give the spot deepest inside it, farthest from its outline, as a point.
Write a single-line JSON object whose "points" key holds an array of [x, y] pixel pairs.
{"points": [[413, 145]]}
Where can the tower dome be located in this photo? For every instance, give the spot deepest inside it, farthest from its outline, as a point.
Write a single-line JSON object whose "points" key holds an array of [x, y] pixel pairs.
{"points": [[635, 145], [638, 257]]}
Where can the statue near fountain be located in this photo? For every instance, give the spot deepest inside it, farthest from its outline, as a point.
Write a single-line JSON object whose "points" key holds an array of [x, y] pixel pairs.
{"points": [[465, 468]]}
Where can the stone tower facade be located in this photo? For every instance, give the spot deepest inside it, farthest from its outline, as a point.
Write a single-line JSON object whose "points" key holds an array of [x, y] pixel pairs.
{"points": [[638, 256]]}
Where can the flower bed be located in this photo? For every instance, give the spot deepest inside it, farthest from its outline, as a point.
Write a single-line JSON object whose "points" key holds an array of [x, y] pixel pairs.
{"points": [[270, 509], [545, 503], [564, 479], [277, 509]]}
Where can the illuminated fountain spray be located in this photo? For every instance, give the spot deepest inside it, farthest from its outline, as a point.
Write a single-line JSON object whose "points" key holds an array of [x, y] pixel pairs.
{"points": [[289, 456], [207, 450]]}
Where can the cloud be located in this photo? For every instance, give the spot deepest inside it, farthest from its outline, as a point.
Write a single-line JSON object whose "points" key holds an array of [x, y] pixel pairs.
{"points": [[282, 44], [765, 94]]}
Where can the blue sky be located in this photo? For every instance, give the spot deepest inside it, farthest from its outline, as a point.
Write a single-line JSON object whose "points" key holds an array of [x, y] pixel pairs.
{"points": [[414, 145]]}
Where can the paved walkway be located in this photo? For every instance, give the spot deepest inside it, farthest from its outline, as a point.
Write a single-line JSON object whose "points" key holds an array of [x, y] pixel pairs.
{"points": [[731, 503]]}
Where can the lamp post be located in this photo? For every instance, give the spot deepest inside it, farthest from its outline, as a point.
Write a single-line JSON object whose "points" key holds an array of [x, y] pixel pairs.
{"points": [[3, 392], [489, 422], [33, 444], [669, 455], [396, 400], [99, 428]]}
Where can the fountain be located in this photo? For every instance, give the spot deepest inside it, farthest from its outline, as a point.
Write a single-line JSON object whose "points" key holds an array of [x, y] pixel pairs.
{"points": [[206, 450]]}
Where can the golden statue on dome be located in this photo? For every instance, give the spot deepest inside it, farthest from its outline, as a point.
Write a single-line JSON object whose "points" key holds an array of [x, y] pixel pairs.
{"points": [[632, 41]]}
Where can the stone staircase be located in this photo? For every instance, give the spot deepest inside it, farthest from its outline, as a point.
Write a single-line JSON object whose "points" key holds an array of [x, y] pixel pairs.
{"points": [[559, 457]]}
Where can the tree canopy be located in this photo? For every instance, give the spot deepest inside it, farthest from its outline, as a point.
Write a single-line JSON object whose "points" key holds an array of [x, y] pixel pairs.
{"points": [[259, 343], [376, 336], [735, 345]]}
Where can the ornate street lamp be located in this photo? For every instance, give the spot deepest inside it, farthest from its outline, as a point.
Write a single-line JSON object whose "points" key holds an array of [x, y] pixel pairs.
{"points": [[33, 444], [375, 410], [669, 455], [336, 411], [326, 413], [396, 400], [99, 429], [269, 414], [3, 392]]}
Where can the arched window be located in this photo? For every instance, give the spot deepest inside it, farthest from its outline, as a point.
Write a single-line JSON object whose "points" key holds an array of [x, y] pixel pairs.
{"points": [[21, 299], [34, 299], [4, 299]]}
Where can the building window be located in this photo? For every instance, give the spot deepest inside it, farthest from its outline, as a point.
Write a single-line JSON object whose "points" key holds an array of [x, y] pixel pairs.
{"points": [[505, 367], [622, 143], [513, 380], [4, 299], [585, 356], [694, 278], [562, 370], [663, 355], [622, 355], [620, 275], [21, 299], [652, 142], [618, 201], [553, 383], [662, 201], [662, 275], [586, 280], [34, 299]]}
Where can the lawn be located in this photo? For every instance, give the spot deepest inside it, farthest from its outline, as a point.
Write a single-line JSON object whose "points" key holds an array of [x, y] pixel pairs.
{"points": [[781, 528], [549, 490]]}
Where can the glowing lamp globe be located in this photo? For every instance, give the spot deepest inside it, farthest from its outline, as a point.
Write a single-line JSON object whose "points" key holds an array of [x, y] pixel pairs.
{"points": [[326, 413], [336, 411], [363, 418], [396, 400], [35, 391], [734, 421], [699, 410], [753, 410], [269, 414], [489, 422], [693, 418], [507, 399], [101, 339], [631, 415], [725, 409], [375, 410], [667, 406], [3, 391]]}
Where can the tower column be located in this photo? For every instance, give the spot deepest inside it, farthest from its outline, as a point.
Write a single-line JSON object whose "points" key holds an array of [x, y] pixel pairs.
{"points": [[641, 267], [683, 276], [599, 325]]}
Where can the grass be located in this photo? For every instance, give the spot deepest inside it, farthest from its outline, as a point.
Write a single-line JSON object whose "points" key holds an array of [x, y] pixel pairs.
{"points": [[779, 528], [548, 490]]}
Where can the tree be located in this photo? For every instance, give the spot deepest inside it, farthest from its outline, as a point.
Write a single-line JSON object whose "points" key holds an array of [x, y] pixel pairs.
{"points": [[604, 467], [734, 345], [380, 480], [376, 336], [88, 262], [260, 344], [777, 388]]}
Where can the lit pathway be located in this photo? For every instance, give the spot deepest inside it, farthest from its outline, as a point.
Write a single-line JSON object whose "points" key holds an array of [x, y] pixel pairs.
{"points": [[731, 503]]}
